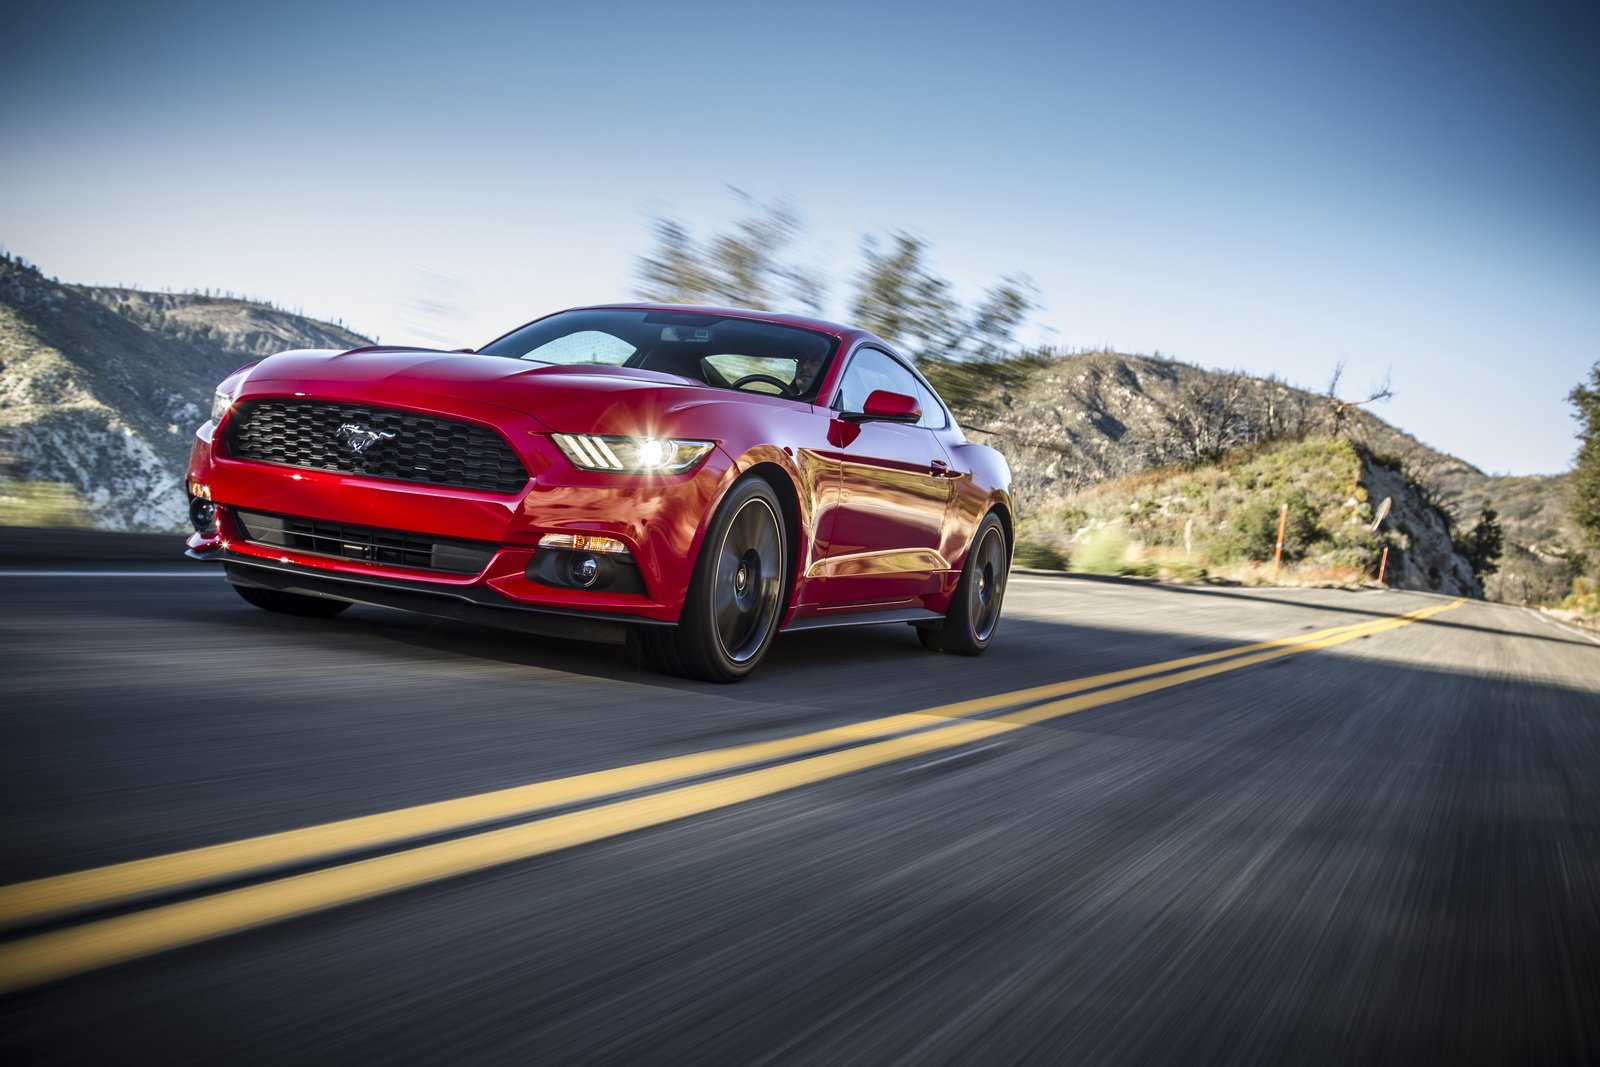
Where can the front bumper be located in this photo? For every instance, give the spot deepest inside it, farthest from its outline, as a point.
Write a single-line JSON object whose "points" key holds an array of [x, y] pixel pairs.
{"points": [[474, 604], [659, 518]]}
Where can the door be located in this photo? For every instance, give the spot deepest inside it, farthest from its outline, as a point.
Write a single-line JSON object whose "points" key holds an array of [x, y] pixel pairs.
{"points": [[884, 537]]}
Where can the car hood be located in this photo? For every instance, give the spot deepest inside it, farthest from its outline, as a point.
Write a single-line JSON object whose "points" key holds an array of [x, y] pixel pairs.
{"points": [[582, 399]]}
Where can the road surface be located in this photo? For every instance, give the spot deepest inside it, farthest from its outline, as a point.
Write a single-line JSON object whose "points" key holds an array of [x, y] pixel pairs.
{"points": [[1152, 824]]}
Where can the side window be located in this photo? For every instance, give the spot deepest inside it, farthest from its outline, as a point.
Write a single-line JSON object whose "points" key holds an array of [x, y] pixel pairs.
{"points": [[872, 369], [934, 416], [869, 371]]}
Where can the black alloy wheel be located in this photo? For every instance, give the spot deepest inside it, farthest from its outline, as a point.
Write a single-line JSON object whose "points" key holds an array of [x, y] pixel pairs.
{"points": [[974, 612], [736, 597]]}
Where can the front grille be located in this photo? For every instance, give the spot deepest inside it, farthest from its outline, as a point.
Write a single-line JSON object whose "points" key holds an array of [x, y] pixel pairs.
{"points": [[375, 443], [394, 547]]}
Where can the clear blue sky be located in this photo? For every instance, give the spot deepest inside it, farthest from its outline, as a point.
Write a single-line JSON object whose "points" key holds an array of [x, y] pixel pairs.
{"points": [[1407, 188]]}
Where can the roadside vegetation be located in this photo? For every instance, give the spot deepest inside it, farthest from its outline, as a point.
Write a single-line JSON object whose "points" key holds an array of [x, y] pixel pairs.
{"points": [[41, 504], [1582, 604], [1220, 520]]}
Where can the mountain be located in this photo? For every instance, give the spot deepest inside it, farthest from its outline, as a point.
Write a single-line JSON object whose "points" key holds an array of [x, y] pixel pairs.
{"points": [[101, 389], [1222, 519], [1070, 423], [1544, 546], [243, 330]]}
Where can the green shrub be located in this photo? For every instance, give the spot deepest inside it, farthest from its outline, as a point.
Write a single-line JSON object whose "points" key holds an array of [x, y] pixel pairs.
{"points": [[1039, 554], [1178, 569], [1104, 551], [1356, 548], [1072, 519], [1252, 532], [41, 504]]}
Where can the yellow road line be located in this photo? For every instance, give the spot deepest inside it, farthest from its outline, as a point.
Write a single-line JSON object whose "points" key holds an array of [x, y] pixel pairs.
{"points": [[62, 894], [1044, 712], [47, 957]]}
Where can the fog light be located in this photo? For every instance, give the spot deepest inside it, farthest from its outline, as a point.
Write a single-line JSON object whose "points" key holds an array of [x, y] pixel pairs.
{"points": [[584, 570], [202, 514]]}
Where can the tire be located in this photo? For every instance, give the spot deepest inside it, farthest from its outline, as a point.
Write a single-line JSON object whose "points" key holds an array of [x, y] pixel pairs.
{"points": [[974, 615], [309, 607], [736, 596]]}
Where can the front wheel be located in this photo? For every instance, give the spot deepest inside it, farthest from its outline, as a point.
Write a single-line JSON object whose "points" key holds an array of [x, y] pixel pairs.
{"points": [[974, 613], [736, 597], [310, 607]]}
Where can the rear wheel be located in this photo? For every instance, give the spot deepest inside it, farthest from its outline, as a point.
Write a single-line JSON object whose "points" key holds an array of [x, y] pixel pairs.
{"points": [[311, 607], [736, 596], [974, 612]]}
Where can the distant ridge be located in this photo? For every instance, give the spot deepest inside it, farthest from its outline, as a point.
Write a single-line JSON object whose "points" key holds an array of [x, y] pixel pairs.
{"points": [[101, 389], [1071, 422]]}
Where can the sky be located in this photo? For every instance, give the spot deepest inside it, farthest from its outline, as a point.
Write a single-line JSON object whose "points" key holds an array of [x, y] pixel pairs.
{"points": [[1411, 190]]}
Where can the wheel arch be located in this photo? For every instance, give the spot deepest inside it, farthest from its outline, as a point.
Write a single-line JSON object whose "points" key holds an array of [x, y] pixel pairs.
{"points": [[783, 487], [1002, 510]]}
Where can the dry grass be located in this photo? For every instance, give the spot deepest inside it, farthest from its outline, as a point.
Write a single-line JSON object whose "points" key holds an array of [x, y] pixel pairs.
{"points": [[41, 504], [1221, 521]]}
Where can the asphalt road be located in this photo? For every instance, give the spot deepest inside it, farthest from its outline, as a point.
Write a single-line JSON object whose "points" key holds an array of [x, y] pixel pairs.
{"points": [[1379, 845]]}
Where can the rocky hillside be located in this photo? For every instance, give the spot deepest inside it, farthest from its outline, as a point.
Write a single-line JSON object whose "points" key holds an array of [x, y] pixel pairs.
{"points": [[1073, 421], [1544, 548], [101, 389], [1221, 519], [243, 329], [1070, 423]]}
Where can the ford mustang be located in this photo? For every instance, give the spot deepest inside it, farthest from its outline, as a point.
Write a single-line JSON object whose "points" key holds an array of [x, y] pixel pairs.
{"points": [[694, 480]]}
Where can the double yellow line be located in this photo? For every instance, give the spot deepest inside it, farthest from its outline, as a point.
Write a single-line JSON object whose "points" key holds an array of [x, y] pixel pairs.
{"points": [[811, 757]]}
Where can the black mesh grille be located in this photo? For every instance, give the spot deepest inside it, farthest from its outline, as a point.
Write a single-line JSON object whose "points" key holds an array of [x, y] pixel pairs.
{"points": [[374, 442], [393, 547]]}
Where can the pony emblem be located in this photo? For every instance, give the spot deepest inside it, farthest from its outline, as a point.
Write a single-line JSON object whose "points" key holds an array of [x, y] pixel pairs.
{"points": [[359, 439]]}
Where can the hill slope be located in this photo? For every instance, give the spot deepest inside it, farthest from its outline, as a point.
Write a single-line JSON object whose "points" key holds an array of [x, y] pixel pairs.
{"points": [[1222, 519], [1544, 548], [242, 329], [1069, 423], [101, 389], [1073, 421]]}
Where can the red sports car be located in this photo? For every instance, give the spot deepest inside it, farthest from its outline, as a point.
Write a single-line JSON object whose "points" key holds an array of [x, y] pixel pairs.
{"points": [[699, 478]]}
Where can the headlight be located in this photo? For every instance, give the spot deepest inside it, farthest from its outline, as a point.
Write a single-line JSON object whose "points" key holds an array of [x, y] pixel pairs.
{"points": [[220, 403], [639, 455]]}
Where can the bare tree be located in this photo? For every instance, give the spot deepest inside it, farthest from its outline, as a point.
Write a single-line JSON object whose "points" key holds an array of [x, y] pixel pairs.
{"points": [[901, 300], [1340, 409], [677, 272], [991, 331], [746, 266], [1287, 414], [1207, 418]]}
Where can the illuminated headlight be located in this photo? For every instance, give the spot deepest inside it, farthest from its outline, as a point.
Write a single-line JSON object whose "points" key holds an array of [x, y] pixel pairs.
{"points": [[655, 455], [220, 403]]}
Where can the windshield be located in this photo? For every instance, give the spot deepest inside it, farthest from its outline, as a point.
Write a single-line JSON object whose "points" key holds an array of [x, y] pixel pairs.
{"points": [[730, 353]]}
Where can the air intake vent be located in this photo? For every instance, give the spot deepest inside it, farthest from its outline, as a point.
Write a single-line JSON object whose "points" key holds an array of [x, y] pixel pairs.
{"points": [[393, 547], [375, 443]]}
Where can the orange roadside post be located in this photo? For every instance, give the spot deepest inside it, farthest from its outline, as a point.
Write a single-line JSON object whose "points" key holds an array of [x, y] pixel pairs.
{"points": [[1383, 564], [1277, 556]]}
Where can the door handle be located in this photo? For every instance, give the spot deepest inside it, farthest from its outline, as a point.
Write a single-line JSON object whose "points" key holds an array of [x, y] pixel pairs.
{"points": [[940, 469]]}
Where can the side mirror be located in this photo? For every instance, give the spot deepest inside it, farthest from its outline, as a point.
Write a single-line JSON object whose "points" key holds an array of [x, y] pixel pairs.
{"points": [[884, 406]]}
